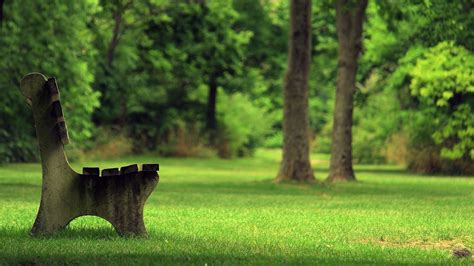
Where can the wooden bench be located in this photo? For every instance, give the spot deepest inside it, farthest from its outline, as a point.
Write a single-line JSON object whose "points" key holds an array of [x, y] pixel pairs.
{"points": [[116, 195]]}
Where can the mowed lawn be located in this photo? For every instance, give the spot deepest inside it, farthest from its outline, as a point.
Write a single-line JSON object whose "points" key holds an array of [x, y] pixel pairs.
{"points": [[212, 211]]}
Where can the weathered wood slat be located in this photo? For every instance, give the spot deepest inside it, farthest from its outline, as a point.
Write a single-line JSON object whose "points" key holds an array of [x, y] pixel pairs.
{"points": [[150, 167], [56, 109], [93, 171], [129, 169], [110, 172], [52, 87], [62, 130]]}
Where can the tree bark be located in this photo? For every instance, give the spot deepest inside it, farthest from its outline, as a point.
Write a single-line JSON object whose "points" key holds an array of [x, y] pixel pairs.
{"points": [[349, 22], [115, 37], [296, 164], [117, 32], [211, 120]]}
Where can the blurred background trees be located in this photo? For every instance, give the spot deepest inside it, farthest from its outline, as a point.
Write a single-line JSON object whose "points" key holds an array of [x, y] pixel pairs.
{"points": [[53, 38], [205, 78]]}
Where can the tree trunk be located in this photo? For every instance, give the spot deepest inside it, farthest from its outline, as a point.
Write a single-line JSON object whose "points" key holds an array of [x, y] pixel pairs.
{"points": [[211, 107], [349, 21], [295, 164], [117, 32], [115, 37]]}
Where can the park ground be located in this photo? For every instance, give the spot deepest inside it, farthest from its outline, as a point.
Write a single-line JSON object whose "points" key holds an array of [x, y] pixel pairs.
{"points": [[213, 211]]}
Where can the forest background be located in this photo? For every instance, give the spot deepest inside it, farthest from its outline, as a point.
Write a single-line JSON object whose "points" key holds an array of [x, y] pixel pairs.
{"points": [[205, 78]]}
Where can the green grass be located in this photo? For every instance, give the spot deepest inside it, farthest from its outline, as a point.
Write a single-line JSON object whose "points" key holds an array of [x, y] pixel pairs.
{"points": [[229, 211]]}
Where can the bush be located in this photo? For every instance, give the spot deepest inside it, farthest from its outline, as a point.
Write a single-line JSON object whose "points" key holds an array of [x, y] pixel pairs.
{"points": [[428, 160], [423, 154], [443, 80], [322, 142], [242, 126], [275, 140], [375, 120], [17, 147]]}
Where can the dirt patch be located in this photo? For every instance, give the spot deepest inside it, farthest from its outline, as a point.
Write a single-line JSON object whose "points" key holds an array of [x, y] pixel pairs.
{"points": [[319, 162], [416, 243]]}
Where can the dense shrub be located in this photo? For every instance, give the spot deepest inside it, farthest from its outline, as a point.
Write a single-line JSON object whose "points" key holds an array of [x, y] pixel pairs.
{"points": [[423, 154], [443, 80], [322, 141], [420, 114], [274, 140], [242, 125], [428, 160], [377, 116], [17, 147]]}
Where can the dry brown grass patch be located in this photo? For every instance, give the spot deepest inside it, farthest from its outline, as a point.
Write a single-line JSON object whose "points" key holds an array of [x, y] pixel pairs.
{"points": [[416, 243]]}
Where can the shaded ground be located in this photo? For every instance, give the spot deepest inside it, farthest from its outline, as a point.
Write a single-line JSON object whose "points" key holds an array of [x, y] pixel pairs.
{"points": [[229, 211]]}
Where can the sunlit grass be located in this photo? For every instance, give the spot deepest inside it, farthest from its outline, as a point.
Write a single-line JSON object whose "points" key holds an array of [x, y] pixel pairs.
{"points": [[229, 211]]}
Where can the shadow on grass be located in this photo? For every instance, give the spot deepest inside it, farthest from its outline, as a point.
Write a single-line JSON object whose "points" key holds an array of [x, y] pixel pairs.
{"points": [[16, 185], [394, 171], [186, 259], [211, 192], [165, 248], [68, 248], [106, 232]]}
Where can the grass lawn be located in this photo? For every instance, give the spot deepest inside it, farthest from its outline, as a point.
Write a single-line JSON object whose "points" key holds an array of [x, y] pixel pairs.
{"points": [[229, 211]]}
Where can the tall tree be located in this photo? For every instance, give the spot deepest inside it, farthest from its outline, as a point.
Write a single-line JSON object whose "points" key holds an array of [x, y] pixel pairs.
{"points": [[117, 9], [191, 53], [295, 164], [223, 43], [349, 21], [119, 30]]}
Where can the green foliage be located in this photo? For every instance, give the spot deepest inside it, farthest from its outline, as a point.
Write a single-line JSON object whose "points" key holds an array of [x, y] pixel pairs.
{"points": [[324, 65], [267, 48], [266, 55], [274, 140], [413, 91], [55, 41], [445, 20], [444, 72], [373, 129], [149, 65], [185, 46], [242, 125], [444, 79], [120, 78], [267, 52]]}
